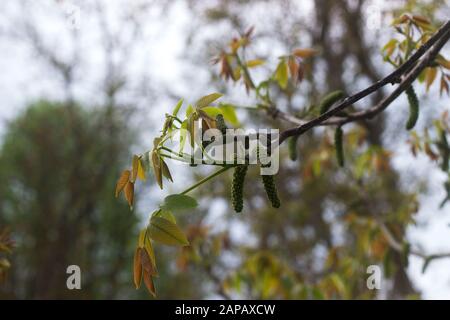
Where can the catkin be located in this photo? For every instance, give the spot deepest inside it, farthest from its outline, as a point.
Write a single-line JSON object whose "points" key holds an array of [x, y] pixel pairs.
{"points": [[339, 146], [292, 146], [271, 190], [237, 187], [220, 123], [413, 107], [329, 100]]}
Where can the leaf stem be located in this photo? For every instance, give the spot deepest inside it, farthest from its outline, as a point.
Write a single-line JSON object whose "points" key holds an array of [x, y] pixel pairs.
{"points": [[211, 176]]}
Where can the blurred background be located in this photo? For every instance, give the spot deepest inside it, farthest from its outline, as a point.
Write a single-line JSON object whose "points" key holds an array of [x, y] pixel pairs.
{"points": [[85, 84]]}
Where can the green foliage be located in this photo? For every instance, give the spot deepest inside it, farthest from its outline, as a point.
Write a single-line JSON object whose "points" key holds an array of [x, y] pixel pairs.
{"points": [[178, 202], [166, 232]]}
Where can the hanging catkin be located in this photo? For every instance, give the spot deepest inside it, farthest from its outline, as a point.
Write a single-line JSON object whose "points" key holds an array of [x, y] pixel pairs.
{"points": [[237, 187], [338, 144], [292, 146], [413, 108], [271, 190], [329, 100]]}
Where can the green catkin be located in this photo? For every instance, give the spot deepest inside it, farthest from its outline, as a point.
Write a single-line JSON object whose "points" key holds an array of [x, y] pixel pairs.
{"points": [[338, 144], [220, 124], [292, 145], [237, 187], [271, 190], [413, 108], [329, 100]]}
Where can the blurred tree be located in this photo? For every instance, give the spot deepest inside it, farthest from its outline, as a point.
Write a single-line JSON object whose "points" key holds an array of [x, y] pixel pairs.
{"points": [[58, 164]]}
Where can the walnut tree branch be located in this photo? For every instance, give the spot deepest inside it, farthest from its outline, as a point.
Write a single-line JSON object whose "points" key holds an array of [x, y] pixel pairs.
{"points": [[405, 75]]}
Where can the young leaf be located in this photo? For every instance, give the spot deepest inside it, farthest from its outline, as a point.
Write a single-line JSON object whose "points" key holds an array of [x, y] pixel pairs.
{"points": [[165, 170], [207, 100], [166, 232], [141, 241], [189, 110], [147, 263], [293, 68], [183, 134], [137, 268], [166, 214], [129, 193], [229, 114], [157, 168], [149, 248], [178, 202], [123, 180], [305, 52], [255, 63], [177, 107], [430, 75], [281, 74], [141, 170], [135, 165], [149, 284]]}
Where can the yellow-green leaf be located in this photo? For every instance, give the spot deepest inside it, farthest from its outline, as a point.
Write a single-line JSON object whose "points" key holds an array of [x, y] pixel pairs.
{"points": [[443, 62], [254, 63], [430, 75], [141, 170], [189, 110], [166, 232], [150, 252], [157, 168], [207, 100], [135, 165], [141, 241], [166, 214], [177, 107], [281, 74], [165, 170]]}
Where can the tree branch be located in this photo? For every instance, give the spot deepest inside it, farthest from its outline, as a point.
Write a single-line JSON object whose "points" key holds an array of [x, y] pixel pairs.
{"points": [[405, 75]]}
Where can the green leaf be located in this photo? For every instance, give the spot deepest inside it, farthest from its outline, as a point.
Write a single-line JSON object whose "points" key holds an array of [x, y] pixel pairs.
{"points": [[183, 134], [189, 110], [229, 114], [227, 110], [166, 232], [177, 107], [281, 74], [255, 63], [166, 214], [207, 100], [177, 202]]}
